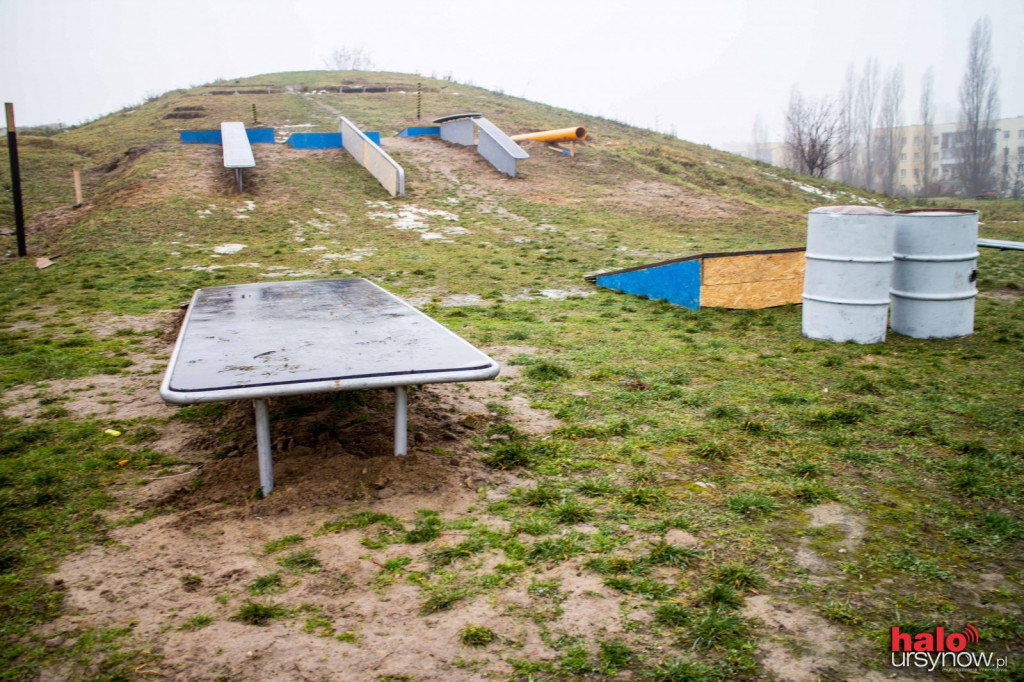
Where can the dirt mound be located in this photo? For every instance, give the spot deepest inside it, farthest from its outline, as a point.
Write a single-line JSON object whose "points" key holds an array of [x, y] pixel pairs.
{"points": [[329, 449]]}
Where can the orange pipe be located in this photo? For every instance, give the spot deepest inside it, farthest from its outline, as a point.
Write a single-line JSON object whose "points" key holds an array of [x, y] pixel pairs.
{"points": [[560, 135]]}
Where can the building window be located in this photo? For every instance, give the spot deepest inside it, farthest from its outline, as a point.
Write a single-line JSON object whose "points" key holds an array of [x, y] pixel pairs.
{"points": [[917, 173], [917, 156], [903, 172], [917, 140], [903, 157], [1020, 134], [935, 156], [935, 139], [903, 142], [935, 172], [1020, 167], [1006, 134]]}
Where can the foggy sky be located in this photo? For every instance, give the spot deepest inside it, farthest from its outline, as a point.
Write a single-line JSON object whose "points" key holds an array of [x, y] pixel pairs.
{"points": [[703, 70]]}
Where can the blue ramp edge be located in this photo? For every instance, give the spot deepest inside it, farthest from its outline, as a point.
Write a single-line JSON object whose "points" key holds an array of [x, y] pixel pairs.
{"points": [[315, 140], [416, 132], [677, 283], [260, 135], [200, 136], [255, 135]]}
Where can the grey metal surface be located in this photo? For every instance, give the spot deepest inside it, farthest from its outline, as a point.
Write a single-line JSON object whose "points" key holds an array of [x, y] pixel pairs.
{"points": [[388, 172], [237, 150], [500, 138], [933, 280], [252, 341], [459, 131], [1001, 244], [498, 148], [848, 273]]}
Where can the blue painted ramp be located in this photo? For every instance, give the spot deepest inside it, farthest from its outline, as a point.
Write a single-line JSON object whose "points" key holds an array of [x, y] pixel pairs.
{"points": [[255, 135], [200, 136], [677, 283], [315, 140], [260, 135], [736, 280], [416, 132]]}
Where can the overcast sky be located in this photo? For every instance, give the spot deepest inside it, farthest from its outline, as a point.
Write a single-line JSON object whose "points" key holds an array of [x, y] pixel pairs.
{"points": [[701, 69]]}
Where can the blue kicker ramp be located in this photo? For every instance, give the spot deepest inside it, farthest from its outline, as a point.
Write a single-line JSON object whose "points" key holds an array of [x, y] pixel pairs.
{"points": [[255, 135], [315, 140], [677, 283], [200, 136], [416, 132], [323, 140]]}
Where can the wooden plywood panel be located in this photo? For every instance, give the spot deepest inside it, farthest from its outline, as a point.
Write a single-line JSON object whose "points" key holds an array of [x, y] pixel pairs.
{"points": [[751, 295], [752, 268]]}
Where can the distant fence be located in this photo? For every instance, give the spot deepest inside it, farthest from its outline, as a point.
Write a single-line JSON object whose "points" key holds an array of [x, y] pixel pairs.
{"points": [[369, 155]]}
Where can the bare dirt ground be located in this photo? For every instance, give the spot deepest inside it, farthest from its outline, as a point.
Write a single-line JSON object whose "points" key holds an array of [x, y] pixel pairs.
{"points": [[200, 545], [188, 542], [549, 178]]}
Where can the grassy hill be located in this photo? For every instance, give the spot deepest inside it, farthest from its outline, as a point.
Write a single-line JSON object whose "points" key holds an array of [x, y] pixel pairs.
{"points": [[646, 493]]}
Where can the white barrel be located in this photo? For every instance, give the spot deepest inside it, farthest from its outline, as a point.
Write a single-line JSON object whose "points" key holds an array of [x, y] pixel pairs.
{"points": [[933, 282], [848, 273]]}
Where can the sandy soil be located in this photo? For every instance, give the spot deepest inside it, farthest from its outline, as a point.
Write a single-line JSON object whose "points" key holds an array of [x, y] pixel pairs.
{"points": [[200, 545]]}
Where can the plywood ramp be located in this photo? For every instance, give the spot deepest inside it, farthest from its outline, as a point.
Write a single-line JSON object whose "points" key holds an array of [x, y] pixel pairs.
{"points": [[743, 279], [758, 280]]}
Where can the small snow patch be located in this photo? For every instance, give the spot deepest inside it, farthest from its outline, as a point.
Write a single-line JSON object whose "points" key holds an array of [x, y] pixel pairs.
{"points": [[228, 248]]}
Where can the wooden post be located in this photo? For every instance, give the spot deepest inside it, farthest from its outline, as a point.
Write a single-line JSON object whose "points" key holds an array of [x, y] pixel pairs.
{"points": [[78, 188], [419, 100], [255, 120], [12, 148]]}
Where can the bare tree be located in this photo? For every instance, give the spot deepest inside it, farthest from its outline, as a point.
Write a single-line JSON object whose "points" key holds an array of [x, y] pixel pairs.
{"points": [[350, 59], [761, 150], [847, 110], [867, 103], [979, 108], [927, 114], [813, 135], [889, 140]]}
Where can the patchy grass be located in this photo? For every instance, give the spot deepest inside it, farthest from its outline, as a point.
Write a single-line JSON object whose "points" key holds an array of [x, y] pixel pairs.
{"points": [[728, 425]]}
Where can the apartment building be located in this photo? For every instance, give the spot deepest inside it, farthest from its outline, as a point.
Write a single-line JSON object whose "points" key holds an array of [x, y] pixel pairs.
{"points": [[928, 159], [927, 163]]}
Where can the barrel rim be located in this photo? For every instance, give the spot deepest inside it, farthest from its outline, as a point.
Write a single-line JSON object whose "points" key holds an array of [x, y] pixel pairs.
{"points": [[926, 212]]}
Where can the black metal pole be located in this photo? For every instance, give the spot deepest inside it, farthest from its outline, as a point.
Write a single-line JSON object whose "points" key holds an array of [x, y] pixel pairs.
{"points": [[12, 151]]}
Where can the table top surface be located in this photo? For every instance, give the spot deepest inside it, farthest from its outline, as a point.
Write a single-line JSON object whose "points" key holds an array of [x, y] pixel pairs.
{"points": [[237, 150], [284, 338]]}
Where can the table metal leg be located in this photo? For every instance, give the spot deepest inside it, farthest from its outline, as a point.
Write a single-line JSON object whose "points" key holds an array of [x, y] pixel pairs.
{"points": [[263, 446], [401, 420], [238, 175]]}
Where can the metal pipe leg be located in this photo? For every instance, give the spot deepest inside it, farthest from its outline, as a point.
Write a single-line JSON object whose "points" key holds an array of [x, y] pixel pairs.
{"points": [[238, 174], [263, 446], [401, 421]]}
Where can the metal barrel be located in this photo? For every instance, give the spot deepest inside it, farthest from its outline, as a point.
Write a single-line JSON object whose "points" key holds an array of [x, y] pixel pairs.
{"points": [[933, 283], [848, 273]]}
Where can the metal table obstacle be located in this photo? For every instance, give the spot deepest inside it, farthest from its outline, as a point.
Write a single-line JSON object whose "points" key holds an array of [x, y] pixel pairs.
{"points": [[263, 340], [237, 150]]}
